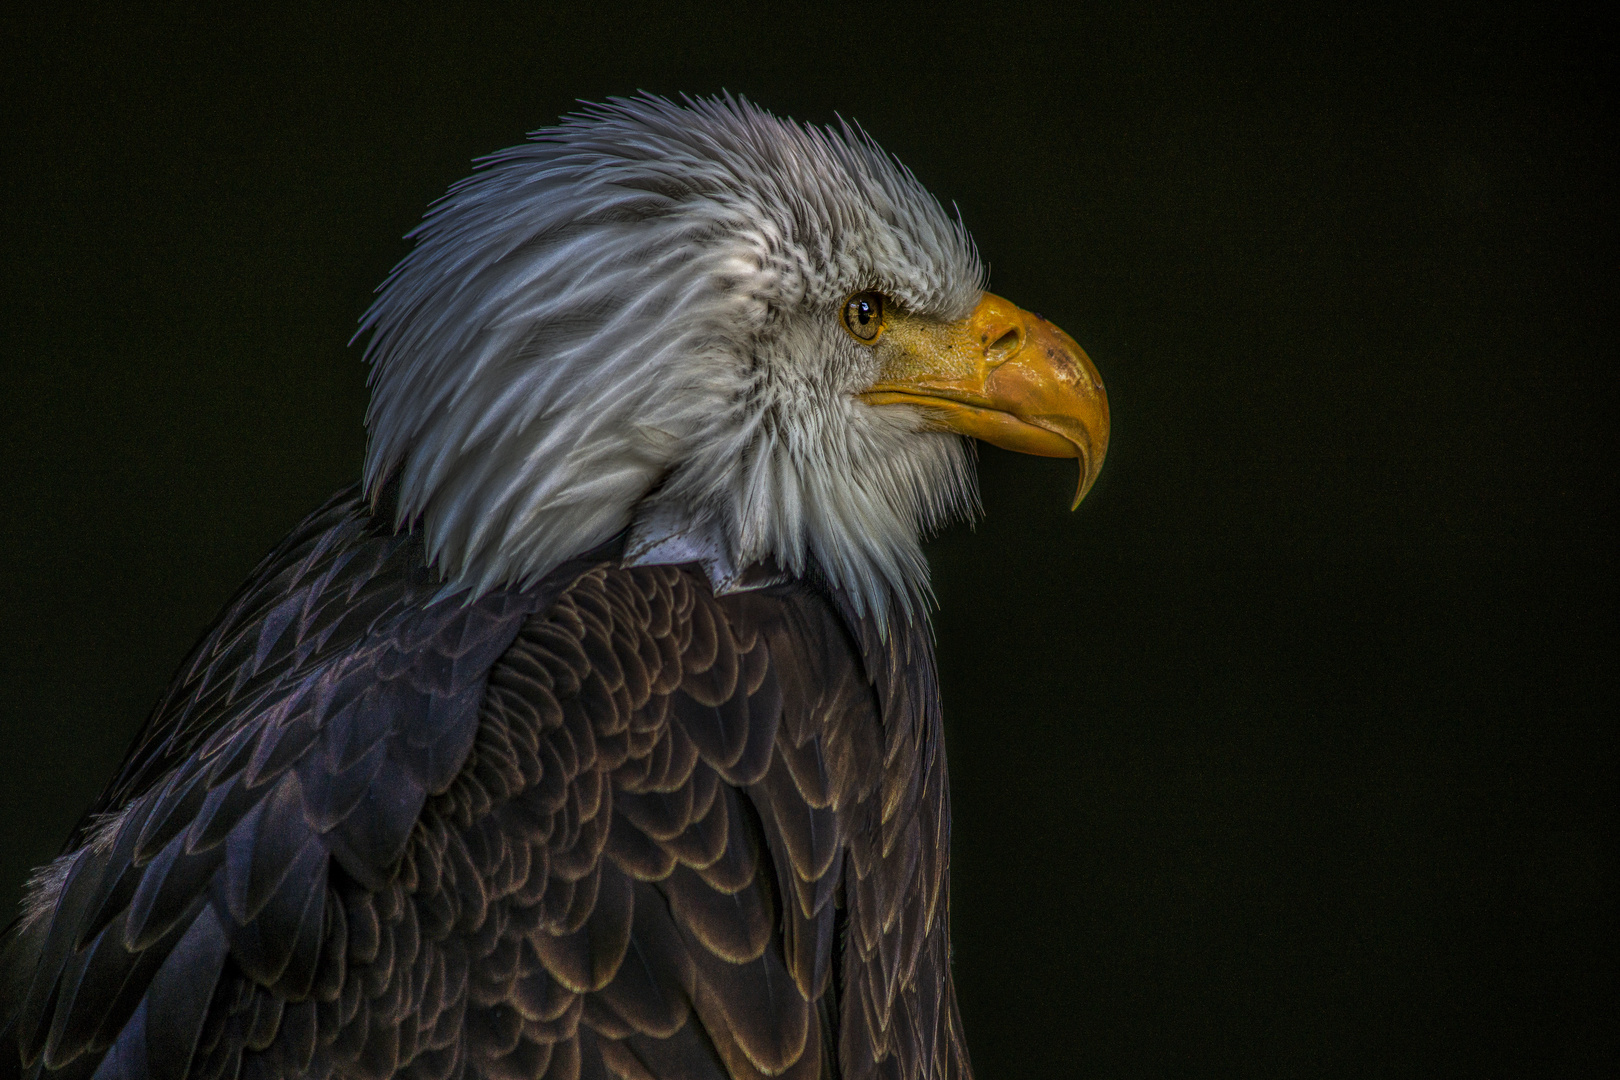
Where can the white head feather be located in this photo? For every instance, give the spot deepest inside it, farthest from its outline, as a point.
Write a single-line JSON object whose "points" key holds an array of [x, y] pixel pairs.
{"points": [[632, 321]]}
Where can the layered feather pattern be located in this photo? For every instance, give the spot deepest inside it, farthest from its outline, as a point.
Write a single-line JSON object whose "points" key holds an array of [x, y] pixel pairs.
{"points": [[609, 826]]}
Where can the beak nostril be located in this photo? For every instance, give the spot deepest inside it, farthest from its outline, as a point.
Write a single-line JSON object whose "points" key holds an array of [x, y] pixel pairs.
{"points": [[1007, 342]]}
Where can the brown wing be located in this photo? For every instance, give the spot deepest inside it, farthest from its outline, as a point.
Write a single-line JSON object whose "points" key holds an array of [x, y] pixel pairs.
{"points": [[683, 846], [692, 837]]}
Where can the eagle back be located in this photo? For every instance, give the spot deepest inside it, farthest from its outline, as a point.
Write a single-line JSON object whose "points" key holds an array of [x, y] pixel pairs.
{"points": [[611, 825]]}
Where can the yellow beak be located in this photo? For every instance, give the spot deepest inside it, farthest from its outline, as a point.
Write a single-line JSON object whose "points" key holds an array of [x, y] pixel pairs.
{"points": [[1003, 375]]}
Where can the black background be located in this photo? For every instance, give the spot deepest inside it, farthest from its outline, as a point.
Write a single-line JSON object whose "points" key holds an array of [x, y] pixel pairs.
{"points": [[1283, 756]]}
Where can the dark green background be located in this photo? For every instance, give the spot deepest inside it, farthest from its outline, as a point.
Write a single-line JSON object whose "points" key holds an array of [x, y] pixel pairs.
{"points": [[1283, 756]]}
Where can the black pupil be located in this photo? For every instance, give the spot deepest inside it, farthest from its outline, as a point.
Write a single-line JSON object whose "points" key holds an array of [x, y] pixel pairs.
{"points": [[865, 307]]}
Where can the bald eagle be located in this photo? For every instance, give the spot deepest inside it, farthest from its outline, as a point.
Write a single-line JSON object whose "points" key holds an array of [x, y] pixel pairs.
{"points": [[596, 733]]}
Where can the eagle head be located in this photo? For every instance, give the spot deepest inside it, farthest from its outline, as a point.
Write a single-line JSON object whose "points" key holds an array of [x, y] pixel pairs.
{"points": [[738, 340]]}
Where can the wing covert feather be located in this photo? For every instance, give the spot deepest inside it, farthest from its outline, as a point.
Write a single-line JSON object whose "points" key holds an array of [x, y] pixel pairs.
{"points": [[611, 826]]}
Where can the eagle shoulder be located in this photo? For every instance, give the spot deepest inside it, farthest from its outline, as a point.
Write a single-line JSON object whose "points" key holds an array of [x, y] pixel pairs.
{"points": [[299, 740]]}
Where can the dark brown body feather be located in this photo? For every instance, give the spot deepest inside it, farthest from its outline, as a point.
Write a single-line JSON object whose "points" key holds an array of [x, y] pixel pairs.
{"points": [[610, 826]]}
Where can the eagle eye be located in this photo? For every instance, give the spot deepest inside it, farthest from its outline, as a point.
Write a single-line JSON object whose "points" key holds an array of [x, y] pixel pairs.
{"points": [[863, 316]]}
